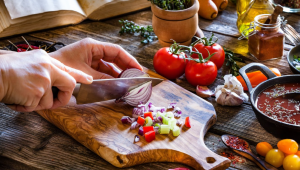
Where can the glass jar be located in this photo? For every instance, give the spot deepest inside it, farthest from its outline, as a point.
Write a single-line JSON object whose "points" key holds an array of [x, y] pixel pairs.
{"points": [[255, 8], [241, 6], [266, 41]]}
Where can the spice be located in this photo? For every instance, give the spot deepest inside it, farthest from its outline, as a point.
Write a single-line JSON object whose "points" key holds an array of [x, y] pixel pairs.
{"points": [[234, 159], [237, 143]]}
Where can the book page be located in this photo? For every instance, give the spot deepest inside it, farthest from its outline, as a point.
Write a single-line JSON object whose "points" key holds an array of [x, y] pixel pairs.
{"points": [[90, 6], [21, 8]]}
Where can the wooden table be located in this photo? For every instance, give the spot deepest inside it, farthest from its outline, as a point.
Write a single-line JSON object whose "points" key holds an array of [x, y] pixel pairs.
{"points": [[27, 141]]}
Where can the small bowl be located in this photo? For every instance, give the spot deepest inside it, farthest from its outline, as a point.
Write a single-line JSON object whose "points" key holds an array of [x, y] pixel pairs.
{"points": [[290, 58], [36, 43]]}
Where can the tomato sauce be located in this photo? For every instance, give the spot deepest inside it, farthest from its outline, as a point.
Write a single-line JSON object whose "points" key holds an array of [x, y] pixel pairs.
{"points": [[279, 108]]}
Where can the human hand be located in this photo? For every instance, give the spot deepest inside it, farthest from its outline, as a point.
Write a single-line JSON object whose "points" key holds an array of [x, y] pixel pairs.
{"points": [[96, 58], [27, 79]]}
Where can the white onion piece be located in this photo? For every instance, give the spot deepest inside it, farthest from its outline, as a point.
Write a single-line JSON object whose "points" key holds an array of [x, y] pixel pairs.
{"points": [[136, 138], [132, 72], [140, 94], [179, 122], [171, 106], [134, 125]]}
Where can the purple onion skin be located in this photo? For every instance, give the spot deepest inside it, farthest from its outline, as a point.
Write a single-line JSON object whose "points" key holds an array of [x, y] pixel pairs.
{"points": [[131, 72], [134, 125], [127, 120], [141, 131], [137, 111]]}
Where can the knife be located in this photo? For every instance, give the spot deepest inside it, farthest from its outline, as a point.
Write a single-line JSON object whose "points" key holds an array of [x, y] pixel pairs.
{"points": [[106, 89]]}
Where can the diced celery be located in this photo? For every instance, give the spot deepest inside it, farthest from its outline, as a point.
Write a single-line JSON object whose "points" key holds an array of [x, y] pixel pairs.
{"points": [[298, 67], [165, 120], [176, 131], [172, 123], [157, 125], [148, 121], [164, 129], [170, 115]]}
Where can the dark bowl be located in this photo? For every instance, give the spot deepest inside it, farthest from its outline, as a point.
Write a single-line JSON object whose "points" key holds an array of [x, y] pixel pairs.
{"points": [[290, 58], [36, 43], [277, 128]]}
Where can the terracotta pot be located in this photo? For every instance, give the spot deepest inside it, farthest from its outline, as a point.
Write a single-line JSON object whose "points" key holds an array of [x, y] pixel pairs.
{"points": [[178, 25]]}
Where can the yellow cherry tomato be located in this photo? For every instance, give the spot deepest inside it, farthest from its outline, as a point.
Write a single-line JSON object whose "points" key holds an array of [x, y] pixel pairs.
{"points": [[291, 162], [288, 146], [275, 157], [263, 148]]}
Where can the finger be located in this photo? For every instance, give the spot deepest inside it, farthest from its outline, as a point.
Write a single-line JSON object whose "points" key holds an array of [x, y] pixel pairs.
{"points": [[65, 83], [46, 101], [115, 54], [21, 108], [108, 68], [99, 75], [6, 52], [78, 75]]}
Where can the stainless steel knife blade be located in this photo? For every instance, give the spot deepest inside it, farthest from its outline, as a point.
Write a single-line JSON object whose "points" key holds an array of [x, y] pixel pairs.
{"points": [[107, 89]]}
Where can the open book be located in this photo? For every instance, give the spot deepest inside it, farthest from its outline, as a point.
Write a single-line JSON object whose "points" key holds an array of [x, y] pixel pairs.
{"points": [[21, 16]]}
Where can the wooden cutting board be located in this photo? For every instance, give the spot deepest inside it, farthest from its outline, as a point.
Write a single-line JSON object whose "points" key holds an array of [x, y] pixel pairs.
{"points": [[98, 126]]}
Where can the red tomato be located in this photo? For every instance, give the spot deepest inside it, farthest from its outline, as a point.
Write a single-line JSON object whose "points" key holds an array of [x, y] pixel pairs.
{"points": [[141, 121], [148, 129], [150, 136], [148, 114], [202, 74], [187, 122], [209, 45], [168, 64]]}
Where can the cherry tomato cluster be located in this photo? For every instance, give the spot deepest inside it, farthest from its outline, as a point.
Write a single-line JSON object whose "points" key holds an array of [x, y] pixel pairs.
{"points": [[200, 69], [287, 154]]}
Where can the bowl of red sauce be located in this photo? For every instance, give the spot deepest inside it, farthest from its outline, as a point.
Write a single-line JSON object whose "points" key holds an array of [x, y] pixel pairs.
{"points": [[278, 115]]}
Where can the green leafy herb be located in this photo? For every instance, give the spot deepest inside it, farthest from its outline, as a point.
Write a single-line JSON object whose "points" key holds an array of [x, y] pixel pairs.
{"points": [[172, 4], [231, 62], [129, 27]]}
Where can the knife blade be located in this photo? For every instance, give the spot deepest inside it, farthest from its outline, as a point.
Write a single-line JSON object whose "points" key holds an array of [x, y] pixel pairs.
{"points": [[107, 89]]}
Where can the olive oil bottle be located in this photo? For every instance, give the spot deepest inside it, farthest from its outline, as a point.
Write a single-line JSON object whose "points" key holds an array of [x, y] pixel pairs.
{"points": [[255, 7]]}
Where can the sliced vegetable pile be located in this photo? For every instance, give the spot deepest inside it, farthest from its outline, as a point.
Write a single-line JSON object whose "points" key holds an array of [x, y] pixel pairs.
{"points": [[153, 120], [296, 62], [287, 154]]}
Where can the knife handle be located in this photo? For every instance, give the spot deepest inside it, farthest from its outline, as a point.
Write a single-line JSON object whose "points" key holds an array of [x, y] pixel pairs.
{"points": [[55, 91]]}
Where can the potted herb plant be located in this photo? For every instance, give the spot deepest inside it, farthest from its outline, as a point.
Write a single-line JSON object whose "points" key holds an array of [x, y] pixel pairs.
{"points": [[175, 20]]}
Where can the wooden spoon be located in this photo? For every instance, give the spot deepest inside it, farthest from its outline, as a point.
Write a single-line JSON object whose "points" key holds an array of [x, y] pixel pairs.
{"points": [[273, 18], [248, 154]]}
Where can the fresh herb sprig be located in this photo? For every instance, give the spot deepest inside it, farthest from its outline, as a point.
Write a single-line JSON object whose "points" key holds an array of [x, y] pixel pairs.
{"points": [[129, 27], [231, 62], [172, 4]]}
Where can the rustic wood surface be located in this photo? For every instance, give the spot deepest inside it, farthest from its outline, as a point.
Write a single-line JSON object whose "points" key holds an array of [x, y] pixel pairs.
{"points": [[98, 127], [28, 141]]}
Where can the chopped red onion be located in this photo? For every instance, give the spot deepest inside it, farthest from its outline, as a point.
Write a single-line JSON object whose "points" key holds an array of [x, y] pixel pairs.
{"points": [[136, 138], [154, 109], [156, 129], [137, 111], [141, 131], [143, 107], [157, 120], [127, 120], [179, 123], [139, 94], [177, 110], [171, 106], [134, 125], [132, 72]]}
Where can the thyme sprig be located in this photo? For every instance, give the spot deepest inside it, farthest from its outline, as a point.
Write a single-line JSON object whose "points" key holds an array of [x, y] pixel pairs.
{"points": [[129, 27], [172, 4], [231, 59]]}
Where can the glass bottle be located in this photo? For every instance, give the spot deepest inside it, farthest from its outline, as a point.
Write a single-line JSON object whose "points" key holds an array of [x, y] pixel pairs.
{"points": [[241, 6], [255, 8], [266, 41]]}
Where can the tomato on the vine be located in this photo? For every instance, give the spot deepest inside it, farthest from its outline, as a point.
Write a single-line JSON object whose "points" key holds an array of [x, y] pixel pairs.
{"points": [[169, 62], [207, 46], [201, 72]]}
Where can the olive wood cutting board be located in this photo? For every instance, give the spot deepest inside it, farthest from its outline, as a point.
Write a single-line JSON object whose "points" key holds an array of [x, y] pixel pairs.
{"points": [[98, 126]]}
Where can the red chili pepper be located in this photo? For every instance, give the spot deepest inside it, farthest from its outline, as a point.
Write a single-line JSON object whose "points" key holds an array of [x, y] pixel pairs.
{"points": [[141, 121], [148, 129], [149, 136], [187, 122], [148, 114]]}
